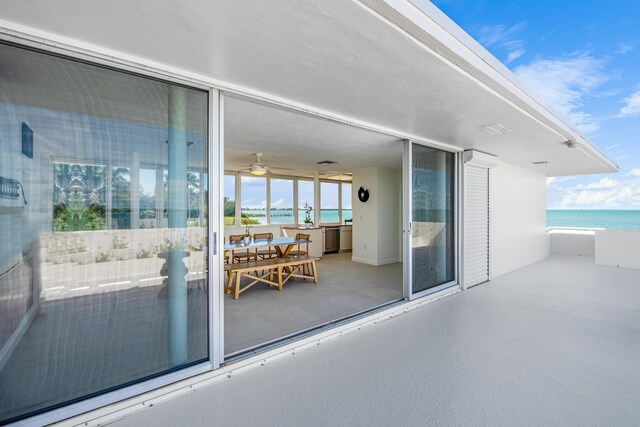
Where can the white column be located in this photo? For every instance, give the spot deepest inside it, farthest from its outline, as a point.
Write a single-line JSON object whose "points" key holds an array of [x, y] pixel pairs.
{"points": [[316, 198], [134, 192], [202, 203], [238, 222], [108, 197], [177, 205], [296, 202], [159, 197]]}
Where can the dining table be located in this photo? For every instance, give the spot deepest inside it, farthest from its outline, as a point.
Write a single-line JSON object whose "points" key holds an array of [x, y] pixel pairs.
{"points": [[276, 242]]}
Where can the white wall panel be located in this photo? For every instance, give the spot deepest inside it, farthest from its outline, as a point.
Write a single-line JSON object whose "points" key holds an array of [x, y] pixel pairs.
{"points": [[518, 218]]}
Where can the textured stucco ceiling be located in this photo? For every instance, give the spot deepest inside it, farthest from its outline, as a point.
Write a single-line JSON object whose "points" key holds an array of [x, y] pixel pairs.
{"points": [[330, 55]]}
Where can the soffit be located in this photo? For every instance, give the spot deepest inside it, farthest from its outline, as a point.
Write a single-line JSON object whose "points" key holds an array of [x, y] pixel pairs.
{"points": [[331, 55]]}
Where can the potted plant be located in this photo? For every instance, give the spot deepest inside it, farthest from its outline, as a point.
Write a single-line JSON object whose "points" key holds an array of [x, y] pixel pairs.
{"points": [[247, 230], [308, 222]]}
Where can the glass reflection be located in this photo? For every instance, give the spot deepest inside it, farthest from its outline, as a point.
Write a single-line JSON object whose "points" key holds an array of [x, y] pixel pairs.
{"points": [[432, 236], [103, 272]]}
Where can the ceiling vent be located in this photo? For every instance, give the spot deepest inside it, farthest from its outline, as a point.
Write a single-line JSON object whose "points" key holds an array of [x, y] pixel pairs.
{"points": [[544, 162], [495, 129]]}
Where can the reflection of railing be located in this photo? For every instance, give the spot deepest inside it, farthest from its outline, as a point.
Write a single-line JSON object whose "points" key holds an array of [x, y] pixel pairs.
{"points": [[11, 189], [16, 300], [88, 262]]}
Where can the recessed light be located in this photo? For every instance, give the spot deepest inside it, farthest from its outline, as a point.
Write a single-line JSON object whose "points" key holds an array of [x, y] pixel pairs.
{"points": [[495, 129]]}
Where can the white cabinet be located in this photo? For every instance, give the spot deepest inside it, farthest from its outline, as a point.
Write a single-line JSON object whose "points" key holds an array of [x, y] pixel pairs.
{"points": [[346, 238]]}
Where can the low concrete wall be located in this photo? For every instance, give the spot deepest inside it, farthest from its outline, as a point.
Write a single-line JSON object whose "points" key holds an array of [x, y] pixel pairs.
{"points": [[569, 241], [618, 248]]}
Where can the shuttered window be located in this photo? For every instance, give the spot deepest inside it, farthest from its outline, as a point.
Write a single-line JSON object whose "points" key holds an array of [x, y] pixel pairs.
{"points": [[476, 231]]}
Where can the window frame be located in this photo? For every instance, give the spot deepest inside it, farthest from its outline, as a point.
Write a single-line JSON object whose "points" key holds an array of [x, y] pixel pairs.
{"points": [[296, 197]]}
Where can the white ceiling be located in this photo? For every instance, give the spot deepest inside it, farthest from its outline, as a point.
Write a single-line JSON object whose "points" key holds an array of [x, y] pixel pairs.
{"points": [[335, 56], [297, 141]]}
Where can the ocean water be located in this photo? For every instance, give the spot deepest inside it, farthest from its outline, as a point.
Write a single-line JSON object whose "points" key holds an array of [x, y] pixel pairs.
{"points": [[611, 220], [285, 216]]}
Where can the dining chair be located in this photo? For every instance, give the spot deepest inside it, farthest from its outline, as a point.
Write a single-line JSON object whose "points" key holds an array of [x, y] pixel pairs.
{"points": [[268, 253], [299, 251], [239, 256]]}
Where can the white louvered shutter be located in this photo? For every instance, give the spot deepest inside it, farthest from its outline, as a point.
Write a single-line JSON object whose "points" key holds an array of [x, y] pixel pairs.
{"points": [[476, 226]]}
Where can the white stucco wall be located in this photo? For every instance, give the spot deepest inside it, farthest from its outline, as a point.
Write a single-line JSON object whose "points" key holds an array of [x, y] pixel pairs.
{"points": [[377, 223], [518, 218], [365, 217], [618, 248], [572, 242], [389, 226]]}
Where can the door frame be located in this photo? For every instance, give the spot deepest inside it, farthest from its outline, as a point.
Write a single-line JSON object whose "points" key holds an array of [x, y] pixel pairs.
{"points": [[407, 202]]}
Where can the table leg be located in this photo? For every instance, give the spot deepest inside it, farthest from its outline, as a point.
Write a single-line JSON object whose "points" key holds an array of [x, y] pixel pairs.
{"points": [[285, 254]]}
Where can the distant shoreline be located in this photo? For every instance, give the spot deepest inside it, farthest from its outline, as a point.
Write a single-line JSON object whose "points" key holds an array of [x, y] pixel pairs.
{"points": [[620, 219]]}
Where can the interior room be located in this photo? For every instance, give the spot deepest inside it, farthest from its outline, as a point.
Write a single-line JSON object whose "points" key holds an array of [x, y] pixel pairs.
{"points": [[301, 160]]}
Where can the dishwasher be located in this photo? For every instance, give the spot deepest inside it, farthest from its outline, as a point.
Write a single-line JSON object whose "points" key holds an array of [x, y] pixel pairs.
{"points": [[331, 239]]}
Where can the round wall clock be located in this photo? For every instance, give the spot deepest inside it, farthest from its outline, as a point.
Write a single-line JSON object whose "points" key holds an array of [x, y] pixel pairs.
{"points": [[363, 195]]}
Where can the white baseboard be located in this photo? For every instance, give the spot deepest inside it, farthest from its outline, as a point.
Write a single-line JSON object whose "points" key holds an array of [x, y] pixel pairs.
{"points": [[375, 262]]}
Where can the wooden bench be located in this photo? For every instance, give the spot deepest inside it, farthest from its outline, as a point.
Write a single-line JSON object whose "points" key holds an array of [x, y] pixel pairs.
{"points": [[284, 270]]}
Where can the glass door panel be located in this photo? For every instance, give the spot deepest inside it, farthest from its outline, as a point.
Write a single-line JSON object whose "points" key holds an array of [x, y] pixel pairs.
{"points": [[96, 293], [432, 218]]}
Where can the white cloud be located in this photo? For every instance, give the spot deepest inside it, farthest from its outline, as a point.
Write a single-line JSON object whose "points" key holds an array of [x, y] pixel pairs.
{"points": [[551, 180], [633, 105], [502, 36], [278, 203], [604, 194], [624, 48], [604, 183], [634, 172], [514, 54], [619, 197], [489, 35], [564, 83]]}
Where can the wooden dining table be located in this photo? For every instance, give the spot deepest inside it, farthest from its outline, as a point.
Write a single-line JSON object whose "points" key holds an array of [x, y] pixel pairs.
{"points": [[276, 242]]}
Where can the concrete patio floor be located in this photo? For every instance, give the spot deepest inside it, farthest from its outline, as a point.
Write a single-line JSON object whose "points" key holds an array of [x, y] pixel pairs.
{"points": [[555, 343]]}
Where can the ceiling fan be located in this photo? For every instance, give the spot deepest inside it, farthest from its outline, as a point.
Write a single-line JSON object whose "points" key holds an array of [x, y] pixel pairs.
{"points": [[258, 167]]}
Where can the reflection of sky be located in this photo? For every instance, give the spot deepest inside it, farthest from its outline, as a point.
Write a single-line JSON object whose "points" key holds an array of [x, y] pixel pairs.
{"points": [[148, 181]]}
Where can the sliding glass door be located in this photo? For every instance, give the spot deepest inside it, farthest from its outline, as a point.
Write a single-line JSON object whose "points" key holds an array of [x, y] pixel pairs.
{"points": [[429, 225], [104, 261]]}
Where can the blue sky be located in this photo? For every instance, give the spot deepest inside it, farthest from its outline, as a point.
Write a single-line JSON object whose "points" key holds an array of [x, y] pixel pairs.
{"points": [[583, 60]]}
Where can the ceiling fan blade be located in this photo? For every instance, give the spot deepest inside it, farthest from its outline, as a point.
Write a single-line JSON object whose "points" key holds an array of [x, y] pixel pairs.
{"points": [[279, 168]]}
